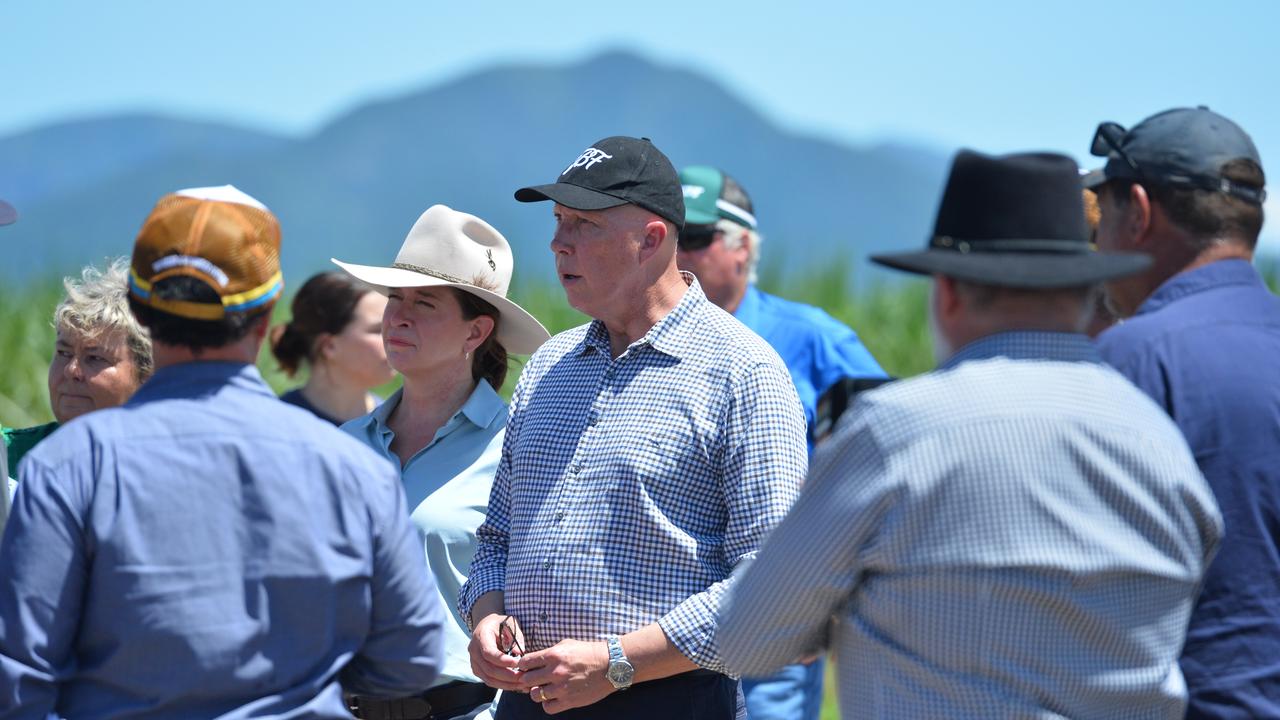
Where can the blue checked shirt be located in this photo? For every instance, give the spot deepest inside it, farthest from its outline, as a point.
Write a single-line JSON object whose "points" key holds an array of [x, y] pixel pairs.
{"points": [[1020, 534], [630, 488]]}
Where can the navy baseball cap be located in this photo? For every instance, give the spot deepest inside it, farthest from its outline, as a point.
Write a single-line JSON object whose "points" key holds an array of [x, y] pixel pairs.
{"points": [[616, 171], [7, 214], [1184, 147]]}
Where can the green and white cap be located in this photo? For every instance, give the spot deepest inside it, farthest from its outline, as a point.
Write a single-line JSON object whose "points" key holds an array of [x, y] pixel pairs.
{"points": [[711, 194]]}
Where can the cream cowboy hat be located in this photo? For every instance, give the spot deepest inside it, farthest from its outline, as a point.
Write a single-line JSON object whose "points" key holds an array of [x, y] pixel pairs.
{"points": [[447, 248]]}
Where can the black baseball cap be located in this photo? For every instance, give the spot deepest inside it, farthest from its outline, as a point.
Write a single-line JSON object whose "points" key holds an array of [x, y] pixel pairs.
{"points": [[616, 171], [8, 215], [1184, 147]]}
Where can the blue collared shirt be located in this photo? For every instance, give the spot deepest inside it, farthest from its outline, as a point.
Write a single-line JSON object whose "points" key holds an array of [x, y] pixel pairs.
{"points": [[1019, 534], [447, 484], [205, 551], [817, 349], [630, 487], [1206, 347]]}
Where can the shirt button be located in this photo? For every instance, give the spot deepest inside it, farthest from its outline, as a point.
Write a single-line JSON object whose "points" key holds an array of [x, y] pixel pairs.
{"points": [[546, 565], [560, 516], [542, 617], [591, 421], [575, 468]]}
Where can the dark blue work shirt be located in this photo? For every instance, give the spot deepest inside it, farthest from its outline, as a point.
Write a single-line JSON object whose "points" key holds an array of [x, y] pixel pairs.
{"points": [[1206, 347], [209, 551]]}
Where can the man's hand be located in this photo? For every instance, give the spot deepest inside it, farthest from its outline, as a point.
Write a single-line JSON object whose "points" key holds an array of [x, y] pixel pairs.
{"points": [[494, 636], [568, 675]]}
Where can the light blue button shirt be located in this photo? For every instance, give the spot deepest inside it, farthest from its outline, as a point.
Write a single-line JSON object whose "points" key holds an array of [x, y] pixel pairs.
{"points": [[447, 484], [1020, 534]]}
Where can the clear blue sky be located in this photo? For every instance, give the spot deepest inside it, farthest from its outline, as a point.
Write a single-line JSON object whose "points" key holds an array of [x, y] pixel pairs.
{"points": [[997, 76]]}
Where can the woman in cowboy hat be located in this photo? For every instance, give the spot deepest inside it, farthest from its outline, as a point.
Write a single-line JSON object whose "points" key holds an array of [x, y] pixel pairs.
{"points": [[448, 327]]}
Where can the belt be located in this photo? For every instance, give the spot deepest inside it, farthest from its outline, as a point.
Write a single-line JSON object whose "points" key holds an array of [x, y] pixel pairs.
{"points": [[439, 703]]}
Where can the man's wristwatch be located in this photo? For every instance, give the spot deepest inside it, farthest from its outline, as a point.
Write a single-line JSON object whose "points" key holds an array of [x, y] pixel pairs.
{"points": [[620, 669]]}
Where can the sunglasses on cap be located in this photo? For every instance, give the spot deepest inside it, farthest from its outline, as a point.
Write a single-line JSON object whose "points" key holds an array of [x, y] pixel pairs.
{"points": [[1107, 140], [696, 237]]}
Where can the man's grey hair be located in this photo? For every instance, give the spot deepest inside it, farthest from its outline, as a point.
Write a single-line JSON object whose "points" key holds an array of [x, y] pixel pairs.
{"points": [[733, 234], [97, 304]]}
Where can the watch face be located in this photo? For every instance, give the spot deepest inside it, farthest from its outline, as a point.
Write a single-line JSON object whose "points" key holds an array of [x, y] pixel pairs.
{"points": [[620, 673]]}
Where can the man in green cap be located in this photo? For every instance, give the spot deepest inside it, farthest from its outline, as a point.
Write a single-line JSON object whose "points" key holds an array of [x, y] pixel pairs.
{"points": [[720, 244]]}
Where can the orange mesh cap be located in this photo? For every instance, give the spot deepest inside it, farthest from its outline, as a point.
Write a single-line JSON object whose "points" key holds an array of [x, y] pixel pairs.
{"points": [[220, 236]]}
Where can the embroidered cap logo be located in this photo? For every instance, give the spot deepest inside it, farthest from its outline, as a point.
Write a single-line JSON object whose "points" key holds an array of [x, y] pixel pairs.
{"points": [[589, 157]]}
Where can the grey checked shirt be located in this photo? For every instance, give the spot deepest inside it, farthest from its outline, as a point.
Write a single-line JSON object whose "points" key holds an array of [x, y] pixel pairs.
{"points": [[1020, 534], [630, 488]]}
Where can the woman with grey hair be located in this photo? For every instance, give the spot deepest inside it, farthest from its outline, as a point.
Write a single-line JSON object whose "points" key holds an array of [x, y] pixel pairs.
{"points": [[100, 357]]}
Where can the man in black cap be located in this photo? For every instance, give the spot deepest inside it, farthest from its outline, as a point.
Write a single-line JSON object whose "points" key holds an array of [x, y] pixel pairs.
{"points": [[1020, 533], [1186, 187], [646, 456]]}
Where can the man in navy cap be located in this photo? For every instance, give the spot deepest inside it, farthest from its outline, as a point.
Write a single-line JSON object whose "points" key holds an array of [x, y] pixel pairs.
{"points": [[1186, 187], [720, 244], [1020, 533], [647, 455]]}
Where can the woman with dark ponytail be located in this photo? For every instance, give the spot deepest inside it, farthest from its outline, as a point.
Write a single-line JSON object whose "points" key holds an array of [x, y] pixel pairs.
{"points": [[448, 327], [336, 332]]}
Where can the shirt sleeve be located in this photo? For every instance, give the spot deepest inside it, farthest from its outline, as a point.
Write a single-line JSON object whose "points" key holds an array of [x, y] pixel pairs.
{"points": [[489, 565], [45, 563], [780, 608], [404, 649], [841, 354], [765, 459]]}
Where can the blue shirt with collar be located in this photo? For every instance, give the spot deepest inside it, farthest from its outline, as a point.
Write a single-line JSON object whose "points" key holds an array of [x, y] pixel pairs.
{"points": [[1206, 347], [631, 487], [817, 349], [206, 550], [447, 484]]}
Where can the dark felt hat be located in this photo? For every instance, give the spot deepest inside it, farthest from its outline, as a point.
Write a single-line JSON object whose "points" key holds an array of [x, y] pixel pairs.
{"points": [[1014, 221]]}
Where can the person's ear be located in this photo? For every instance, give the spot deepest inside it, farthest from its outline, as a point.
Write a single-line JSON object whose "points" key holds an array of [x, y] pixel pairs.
{"points": [[481, 328], [1138, 219], [949, 301], [325, 346], [651, 239]]}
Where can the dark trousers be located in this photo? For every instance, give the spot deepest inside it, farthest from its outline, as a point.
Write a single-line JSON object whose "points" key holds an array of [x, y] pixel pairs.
{"points": [[697, 695]]}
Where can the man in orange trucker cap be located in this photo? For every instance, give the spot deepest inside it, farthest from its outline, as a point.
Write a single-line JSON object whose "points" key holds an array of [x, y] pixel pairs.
{"points": [[206, 550]]}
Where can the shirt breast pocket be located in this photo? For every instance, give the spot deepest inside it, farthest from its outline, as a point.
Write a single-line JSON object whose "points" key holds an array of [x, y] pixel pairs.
{"points": [[667, 471]]}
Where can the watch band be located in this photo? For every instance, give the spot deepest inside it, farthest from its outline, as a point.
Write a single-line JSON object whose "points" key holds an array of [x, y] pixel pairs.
{"points": [[615, 648]]}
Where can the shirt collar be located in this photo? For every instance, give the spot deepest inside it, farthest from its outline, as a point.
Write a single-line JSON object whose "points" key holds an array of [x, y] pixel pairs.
{"points": [[673, 334], [482, 407], [200, 378], [1028, 345], [1206, 277]]}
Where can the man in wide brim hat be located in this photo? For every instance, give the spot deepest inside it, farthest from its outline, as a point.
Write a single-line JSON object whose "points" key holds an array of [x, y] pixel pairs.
{"points": [[1016, 221], [1020, 482]]}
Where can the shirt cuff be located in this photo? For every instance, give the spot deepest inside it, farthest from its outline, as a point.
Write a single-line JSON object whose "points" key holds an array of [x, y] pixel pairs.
{"points": [[691, 628], [481, 581]]}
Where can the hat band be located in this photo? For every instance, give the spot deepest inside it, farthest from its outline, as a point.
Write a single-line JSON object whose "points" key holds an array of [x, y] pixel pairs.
{"points": [[1063, 247], [239, 302], [433, 273], [740, 216]]}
